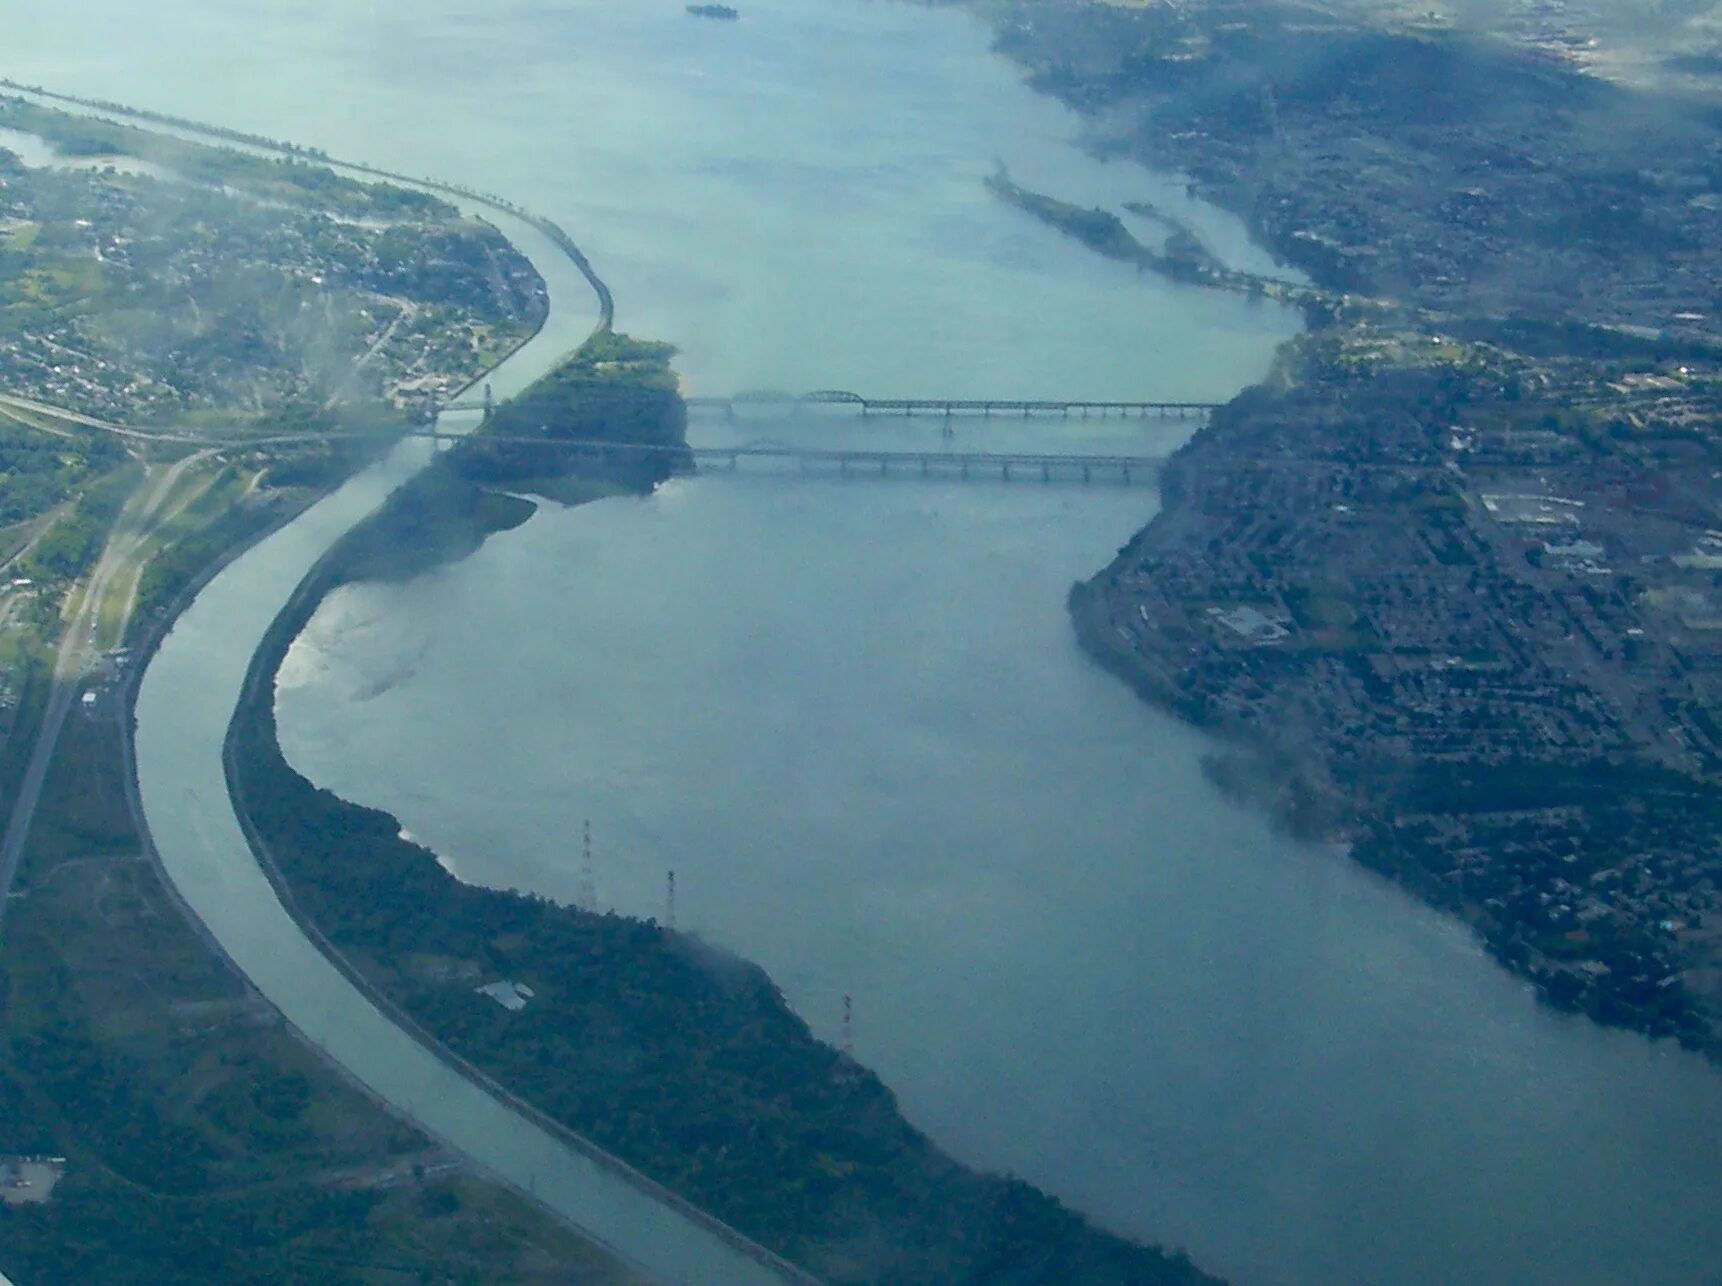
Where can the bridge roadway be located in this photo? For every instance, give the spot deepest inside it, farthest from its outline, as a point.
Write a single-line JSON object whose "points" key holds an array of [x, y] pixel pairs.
{"points": [[941, 406], [1009, 465]]}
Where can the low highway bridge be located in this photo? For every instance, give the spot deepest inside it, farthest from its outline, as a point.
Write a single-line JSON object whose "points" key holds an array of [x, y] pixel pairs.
{"points": [[844, 461]]}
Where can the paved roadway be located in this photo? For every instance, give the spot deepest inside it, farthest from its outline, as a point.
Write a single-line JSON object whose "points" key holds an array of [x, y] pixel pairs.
{"points": [[90, 422], [77, 649]]}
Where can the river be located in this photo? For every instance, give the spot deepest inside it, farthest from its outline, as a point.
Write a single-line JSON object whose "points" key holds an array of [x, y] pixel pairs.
{"points": [[850, 714]]}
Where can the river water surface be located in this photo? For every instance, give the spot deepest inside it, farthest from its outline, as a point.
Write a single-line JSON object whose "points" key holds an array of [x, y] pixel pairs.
{"points": [[850, 713]]}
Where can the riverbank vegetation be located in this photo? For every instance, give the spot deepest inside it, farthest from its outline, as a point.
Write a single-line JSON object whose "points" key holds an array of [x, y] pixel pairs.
{"points": [[204, 1142], [41, 469], [71, 544], [678, 1058]]}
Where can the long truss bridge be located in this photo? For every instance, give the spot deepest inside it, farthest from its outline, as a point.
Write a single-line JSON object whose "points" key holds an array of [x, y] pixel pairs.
{"points": [[946, 407]]}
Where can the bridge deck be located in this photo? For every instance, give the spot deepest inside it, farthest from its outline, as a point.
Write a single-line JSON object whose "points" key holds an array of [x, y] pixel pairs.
{"points": [[935, 405], [1006, 464], [948, 406]]}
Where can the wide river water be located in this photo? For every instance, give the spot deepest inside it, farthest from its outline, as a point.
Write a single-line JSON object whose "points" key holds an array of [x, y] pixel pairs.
{"points": [[850, 714]]}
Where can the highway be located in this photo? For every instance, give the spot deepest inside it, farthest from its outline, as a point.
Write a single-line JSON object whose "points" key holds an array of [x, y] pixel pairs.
{"points": [[79, 646], [17, 403]]}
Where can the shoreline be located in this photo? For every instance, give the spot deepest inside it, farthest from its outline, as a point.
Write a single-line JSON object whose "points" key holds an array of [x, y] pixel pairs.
{"points": [[260, 674], [841, 1097], [1310, 797], [1624, 969]]}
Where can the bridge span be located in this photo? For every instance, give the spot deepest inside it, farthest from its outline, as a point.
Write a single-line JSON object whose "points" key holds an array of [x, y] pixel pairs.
{"points": [[949, 407], [1009, 466], [946, 407]]}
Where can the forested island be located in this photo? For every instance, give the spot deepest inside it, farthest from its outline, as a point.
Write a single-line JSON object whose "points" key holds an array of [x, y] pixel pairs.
{"points": [[1181, 258]]}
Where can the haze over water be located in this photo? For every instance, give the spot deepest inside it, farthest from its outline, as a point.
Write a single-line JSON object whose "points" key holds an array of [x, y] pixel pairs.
{"points": [[851, 714]]}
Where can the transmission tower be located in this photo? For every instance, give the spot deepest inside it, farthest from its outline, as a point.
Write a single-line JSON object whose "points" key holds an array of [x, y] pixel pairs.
{"points": [[670, 904], [848, 1027], [586, 897]]}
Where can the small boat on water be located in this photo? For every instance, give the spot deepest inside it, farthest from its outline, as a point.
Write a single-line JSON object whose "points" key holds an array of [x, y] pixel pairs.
{"points": [[723, 12]]}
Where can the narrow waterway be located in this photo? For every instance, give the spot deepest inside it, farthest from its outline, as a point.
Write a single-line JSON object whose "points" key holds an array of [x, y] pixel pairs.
{"points": [[850, 714], [184, 704]]}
